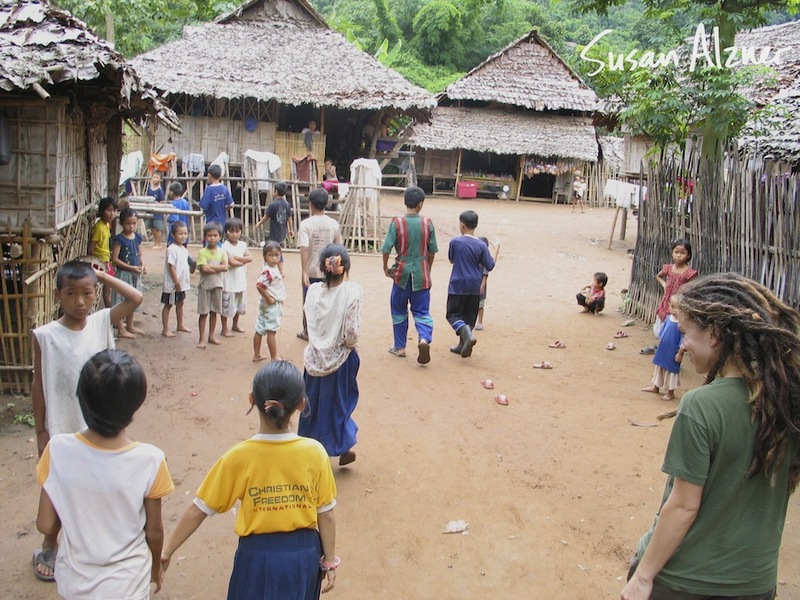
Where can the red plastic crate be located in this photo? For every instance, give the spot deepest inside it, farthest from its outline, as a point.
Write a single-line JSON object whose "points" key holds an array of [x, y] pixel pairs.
{"points": [[467, 189]]}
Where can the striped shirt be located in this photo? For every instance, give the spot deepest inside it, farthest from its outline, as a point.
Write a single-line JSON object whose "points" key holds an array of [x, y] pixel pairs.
{"points": [[414, 238]]}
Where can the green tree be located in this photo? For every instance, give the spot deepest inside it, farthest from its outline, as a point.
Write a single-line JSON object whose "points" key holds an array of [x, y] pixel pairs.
{"points": [[437, 33], [387, 26], [714, 103]]}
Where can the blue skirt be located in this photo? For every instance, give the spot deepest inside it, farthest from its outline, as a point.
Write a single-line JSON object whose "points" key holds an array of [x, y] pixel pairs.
{"points": [[331, 402], [277, 566]]}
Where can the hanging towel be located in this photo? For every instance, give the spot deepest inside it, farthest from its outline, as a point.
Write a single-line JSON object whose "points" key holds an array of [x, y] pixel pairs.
{"points": [[193, 163]]}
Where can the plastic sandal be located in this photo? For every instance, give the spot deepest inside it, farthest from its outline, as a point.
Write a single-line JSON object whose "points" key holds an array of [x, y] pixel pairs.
{"points": [[611, 346], [557, 344], [621, 334], [501, 399], [488, 384], [542, 365]]}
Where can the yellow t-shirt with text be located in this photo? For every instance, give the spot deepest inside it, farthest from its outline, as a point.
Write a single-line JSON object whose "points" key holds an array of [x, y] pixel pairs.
{"points": [[282, 480]]}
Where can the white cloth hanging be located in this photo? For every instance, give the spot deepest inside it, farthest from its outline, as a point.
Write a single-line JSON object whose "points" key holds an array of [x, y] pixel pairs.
{"points": [[626, 195], [130, 165], [366, 173], [265, 166], [222, 161], [193, 163]]}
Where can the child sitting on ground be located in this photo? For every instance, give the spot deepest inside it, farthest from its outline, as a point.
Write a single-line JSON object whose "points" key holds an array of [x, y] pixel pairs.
{"points": [[212, 262], [127, 260], [668, 357], [470, 259], [109, 509], [176, 278], [593, 297], [234, 280], [270, 307]]}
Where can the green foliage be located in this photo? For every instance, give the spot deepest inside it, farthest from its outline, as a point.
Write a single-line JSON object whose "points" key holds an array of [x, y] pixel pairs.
{"points": [[140, 25], [387, 26], [24, 418], [386, 56], [437, 28], [433, 78]]}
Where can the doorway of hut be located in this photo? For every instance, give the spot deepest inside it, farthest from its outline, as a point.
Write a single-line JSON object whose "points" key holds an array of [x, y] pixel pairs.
{"points": [[491, 171], [537, 185]]}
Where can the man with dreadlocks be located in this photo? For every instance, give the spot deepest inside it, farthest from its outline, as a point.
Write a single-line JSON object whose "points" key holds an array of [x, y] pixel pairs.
{"points": [[733, 457]]}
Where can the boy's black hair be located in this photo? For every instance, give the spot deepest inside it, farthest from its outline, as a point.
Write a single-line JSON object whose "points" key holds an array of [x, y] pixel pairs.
{"points": [[682, 242], [282, 382], [469, 218], [270, 245], [413, 196], [233, 223], [318, 197], [280, 189], [126, 213], [175, 225], [111, 388], [74, 269], [176, 188], [329, 251], [601, 278], [104, 204], [215, 171], [212, 226]]}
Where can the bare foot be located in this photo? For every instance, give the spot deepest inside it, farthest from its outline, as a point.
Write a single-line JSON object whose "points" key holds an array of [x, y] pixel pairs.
{"points": [[652, 389], [126, 335], [201, 345], [214, 341], [226, 334], [259, 358], [238, 330], [183, 329], [167, 334], [135, 330], [668, 396]]}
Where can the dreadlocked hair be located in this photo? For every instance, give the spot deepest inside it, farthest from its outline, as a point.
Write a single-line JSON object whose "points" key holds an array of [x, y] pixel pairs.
{"points": [[760, 335]]}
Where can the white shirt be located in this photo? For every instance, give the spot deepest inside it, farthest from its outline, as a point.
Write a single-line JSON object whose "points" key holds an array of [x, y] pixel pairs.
{"points": [[235, 278], [315, 233], [64, 351], [178, 256]]}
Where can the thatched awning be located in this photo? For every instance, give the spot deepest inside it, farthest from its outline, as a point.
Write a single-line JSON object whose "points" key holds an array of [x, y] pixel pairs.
{"points": [[43, 48], [291, 62], [528, 73], [613, 151], [508, 132]]}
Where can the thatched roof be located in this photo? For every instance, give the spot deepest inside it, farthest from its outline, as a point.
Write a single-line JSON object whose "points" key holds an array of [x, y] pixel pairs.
{"points": [[45, 49], [266, 50], [527, 73], [508, 132], [776, 134], [613, 151]]}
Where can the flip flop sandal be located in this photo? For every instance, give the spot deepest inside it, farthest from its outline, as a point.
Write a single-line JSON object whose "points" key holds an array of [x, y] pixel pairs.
{"points": [[648, 350], [501, 399], [542, 365], [557, 344], [397, 352], [46, 558], [621, 334], [488, 384], [611, 346]]}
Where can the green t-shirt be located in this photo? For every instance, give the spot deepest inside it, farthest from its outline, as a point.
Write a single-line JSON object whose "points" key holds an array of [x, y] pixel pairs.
{"points": [[732, 547]]}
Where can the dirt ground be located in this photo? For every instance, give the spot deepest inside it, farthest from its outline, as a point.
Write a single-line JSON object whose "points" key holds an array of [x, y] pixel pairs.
{"points": [[557, 486]]}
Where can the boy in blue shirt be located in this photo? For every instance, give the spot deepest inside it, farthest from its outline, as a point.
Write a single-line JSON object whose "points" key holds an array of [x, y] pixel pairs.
{"points": [[217, 198], [469, 257], [175, 197]]}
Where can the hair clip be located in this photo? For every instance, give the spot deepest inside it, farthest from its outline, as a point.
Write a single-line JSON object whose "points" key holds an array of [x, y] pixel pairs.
{"points": [[333, 264], [269, 404]]}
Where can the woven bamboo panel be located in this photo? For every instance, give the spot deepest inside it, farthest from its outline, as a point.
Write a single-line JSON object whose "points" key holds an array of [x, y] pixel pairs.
{"points": [[98, 163], [72, 176], [743, 216], [289, 144]]}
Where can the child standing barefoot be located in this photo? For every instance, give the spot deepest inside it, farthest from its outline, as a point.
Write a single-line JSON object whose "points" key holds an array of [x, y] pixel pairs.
{"points": [[671, 278], [287, 539], [176, 278], [109, 509], [270, 307], [127, 260], [212, 262], [234, 282], [667, 374]]}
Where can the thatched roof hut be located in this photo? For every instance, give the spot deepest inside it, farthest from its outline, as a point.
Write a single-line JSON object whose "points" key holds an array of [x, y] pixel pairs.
{"points": [[278, 64], [777, 135], [64, 94], [521, 121]]}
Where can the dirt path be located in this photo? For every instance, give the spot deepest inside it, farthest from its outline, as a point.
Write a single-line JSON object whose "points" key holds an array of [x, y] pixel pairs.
{"points": [[557, 486]]}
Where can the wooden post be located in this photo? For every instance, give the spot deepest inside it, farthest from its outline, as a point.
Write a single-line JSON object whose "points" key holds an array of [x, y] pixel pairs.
{"points": [[458, 173], [613, 227], [521, 174], [623, 225]]}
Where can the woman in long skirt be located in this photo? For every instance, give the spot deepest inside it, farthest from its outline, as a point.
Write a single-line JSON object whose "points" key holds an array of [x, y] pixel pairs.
{"points": [[333, 313]]}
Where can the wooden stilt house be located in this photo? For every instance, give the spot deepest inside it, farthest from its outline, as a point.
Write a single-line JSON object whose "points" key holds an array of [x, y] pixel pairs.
{"points": [[64, 95], [519, 125]]}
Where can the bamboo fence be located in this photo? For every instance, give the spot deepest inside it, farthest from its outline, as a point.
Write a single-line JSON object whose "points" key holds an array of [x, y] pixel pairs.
{"points": [[742, 215]]}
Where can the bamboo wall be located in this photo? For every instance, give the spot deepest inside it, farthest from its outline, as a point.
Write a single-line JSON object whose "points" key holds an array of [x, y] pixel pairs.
{"points": [[743, 217]]}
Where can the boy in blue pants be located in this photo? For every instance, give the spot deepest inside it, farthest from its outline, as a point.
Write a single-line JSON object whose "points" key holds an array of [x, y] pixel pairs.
{"points": [[470, 258], [414, 238]]}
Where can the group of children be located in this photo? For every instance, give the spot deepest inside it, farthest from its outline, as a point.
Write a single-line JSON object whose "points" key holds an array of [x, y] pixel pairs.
{"points": [[669, 351]]}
